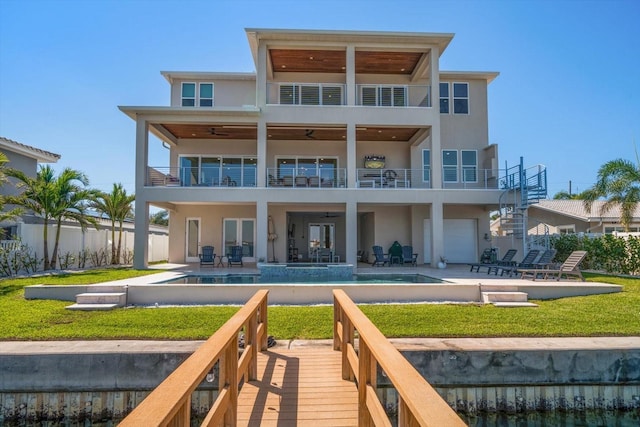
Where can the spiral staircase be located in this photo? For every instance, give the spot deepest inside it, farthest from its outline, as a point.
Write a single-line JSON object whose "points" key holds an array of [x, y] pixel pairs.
{"points": [[523, 188]]}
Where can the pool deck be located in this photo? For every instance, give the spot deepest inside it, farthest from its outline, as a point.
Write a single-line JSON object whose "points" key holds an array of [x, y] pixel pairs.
{"points": [[459, 286]]}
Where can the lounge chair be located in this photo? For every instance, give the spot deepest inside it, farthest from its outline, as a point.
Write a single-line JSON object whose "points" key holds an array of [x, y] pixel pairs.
{"points": [[408, 256], [207, 256], [527, 262], [380, 256], [567, 269], [505, 261], [235, 257]]}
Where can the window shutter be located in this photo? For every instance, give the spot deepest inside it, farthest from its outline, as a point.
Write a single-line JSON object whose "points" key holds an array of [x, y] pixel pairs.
{"points": [[368, 96], [331, 95], [288, 94], [310, 95]]}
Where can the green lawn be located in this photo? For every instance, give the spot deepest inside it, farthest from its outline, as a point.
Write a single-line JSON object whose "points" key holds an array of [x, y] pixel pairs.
{"points": [[599, 315]]}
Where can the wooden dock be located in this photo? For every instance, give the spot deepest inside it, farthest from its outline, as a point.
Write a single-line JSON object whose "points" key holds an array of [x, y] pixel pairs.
{"points": [[298, 387]]}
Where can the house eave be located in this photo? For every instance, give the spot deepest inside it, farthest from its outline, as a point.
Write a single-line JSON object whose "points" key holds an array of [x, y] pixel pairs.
{"points": [[134, 111]]}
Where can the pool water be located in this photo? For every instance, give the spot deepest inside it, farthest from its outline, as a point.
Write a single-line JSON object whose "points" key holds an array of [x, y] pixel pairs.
{"points": [[255, 278]]}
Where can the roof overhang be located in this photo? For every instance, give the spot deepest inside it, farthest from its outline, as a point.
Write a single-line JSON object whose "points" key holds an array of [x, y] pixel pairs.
{"points": [[171, 76], [489, 76], [39, 155]]}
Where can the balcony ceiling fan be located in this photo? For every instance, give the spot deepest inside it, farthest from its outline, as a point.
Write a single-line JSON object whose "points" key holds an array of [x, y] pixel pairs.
{"points": [[213, 132], [309, 133]]}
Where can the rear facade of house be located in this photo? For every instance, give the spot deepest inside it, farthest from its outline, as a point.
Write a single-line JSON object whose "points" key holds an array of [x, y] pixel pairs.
{"points": [[339, 141]]}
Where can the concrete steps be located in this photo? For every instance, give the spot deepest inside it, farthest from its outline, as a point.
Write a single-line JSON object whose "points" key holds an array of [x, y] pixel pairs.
{"points": [[99, 301], [507, 299]]}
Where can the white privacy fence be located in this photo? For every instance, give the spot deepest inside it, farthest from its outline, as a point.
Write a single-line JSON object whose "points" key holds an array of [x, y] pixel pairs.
{"points": [[73, 241]]}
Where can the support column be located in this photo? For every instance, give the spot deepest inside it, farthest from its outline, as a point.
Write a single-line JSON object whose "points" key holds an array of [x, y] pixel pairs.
{"points": [[262, 154], [436, 143], [351, 155], [141, 222], [437, 234], [351, 227], [261, 76], [351, 75], [262, 230]]}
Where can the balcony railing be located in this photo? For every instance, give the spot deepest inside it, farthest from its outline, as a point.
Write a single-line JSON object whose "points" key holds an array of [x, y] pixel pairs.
{"points": [[206, 176], [468, 177], [394, 95], [305, 178], [306, 94], [389, 178]]}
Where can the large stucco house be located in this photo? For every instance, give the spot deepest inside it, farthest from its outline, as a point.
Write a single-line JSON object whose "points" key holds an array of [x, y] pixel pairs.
{"points": [[339, 141]]}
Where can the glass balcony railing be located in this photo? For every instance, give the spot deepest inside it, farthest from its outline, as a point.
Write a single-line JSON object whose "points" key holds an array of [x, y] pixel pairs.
{"points": [[327, 178], [394, 95], [306, 178], [214, 176], [306, 94]]}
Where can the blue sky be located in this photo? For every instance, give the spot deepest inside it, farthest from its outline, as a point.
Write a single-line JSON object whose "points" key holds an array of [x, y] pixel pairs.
{"points": [[568, 94]]}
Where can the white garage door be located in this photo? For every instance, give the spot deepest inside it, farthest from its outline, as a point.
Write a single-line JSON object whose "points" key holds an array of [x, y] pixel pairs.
{"points": [[460, 240]]}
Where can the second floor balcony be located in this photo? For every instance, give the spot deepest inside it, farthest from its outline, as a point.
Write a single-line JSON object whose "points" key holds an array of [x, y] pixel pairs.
{"points": [[333, 94], [245, 176]]}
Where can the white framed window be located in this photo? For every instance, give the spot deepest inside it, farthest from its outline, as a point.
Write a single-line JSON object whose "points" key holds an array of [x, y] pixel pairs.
{"points": [[444, 98], [567, 229], [469, 161], [426, 165], [456, 93], [310, 94], [461, 98], [450, 165], [383, 96], [197, 94]]}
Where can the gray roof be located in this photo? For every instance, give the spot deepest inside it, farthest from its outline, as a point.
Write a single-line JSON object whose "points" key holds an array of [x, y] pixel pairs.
{"points": [[576, 209], [29, 151]]}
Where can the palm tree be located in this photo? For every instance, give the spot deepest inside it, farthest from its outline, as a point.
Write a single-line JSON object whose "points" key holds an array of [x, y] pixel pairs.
{"points": [[565, 195], [159, 218], [117, 206], [54, 199], [619, 183], [11, 214]]}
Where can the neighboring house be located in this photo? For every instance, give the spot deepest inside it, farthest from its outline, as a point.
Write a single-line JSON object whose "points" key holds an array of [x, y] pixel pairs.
{"points": [[339, 141], [570, 216], [28, 229], [26, 159]]}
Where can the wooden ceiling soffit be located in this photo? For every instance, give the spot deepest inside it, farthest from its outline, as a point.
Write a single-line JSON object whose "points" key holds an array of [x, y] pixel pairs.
{"points": [[212, 131], [308, 61], [374, 62], [374, 134], [288, 133]]}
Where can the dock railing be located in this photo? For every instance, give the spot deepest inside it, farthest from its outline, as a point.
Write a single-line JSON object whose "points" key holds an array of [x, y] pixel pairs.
{"points": [[418, 403], [170, 403]]}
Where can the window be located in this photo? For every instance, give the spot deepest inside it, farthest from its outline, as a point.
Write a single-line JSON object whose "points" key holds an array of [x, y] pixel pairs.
{"points": [[204, 94], [385, 96], [469, 160], [188, 94], [450, 165], [444, 98], [218, 171], [567, 229], [426, 165], [460, 98], [310, 94]]}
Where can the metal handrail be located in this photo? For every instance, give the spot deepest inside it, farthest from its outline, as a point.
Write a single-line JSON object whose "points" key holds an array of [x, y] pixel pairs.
{"points": [[170, 402], [418, 402]]}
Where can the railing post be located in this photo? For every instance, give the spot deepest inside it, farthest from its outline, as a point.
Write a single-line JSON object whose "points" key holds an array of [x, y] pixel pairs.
{"points": [[229, 369], [364, 379], [336, 322], [265, 324], [347, 338], [252, 344]]}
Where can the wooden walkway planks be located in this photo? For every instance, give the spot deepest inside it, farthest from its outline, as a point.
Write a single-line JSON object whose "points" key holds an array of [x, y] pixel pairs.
{"points": [[297, 388]]}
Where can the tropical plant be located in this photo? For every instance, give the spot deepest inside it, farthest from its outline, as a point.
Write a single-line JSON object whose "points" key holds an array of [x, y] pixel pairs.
{"points": [[565, 195], [54, 198], [117, 206], [619, 183], [159, 218], [10, 214]]}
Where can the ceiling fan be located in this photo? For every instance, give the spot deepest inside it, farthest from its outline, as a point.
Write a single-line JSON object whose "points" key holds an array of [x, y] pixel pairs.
{"points": [[331, 215], [213, 132], [309, 133]]}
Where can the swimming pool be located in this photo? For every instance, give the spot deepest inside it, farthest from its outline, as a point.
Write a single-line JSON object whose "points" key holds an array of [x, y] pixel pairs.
{"points": [[256, 278]]}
